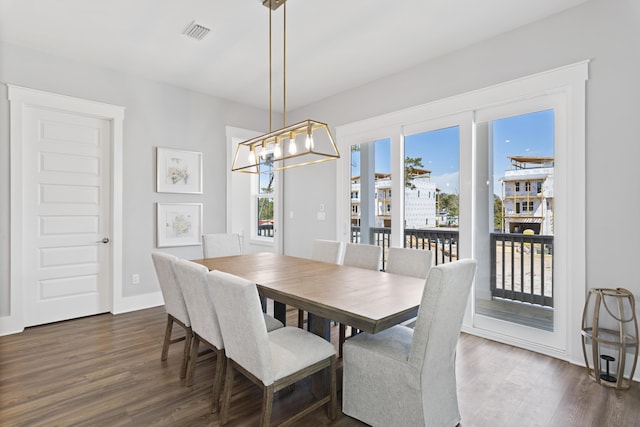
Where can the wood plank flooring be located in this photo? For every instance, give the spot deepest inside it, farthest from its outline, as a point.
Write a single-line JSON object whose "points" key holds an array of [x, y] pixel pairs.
{"points": [[105, 371]]}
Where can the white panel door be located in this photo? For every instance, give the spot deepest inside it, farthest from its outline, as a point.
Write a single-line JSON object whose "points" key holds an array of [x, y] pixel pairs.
{"points": [[67, 224]]}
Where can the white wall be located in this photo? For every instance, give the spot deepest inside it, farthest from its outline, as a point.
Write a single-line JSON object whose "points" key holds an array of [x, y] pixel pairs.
{"points": [[156, 115]]}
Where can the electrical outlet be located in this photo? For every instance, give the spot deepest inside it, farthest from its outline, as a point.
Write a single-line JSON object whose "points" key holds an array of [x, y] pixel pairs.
{"points": [[135, 279]]}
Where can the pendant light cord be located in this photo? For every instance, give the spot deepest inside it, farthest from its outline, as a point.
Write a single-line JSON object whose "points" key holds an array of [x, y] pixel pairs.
{"points": [[270, 78], [284, 66]]}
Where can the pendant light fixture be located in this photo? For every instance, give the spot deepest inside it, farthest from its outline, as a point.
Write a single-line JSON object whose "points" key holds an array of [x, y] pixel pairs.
{"points": [[304, 143]]}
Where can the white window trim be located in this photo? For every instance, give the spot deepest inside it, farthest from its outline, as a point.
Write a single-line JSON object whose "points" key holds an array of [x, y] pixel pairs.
{"points": [[568, 81], [234, 136]]}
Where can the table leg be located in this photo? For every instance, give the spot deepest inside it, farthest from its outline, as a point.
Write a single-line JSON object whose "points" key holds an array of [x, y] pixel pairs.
{"points": [[280, 312], [321, 327]]}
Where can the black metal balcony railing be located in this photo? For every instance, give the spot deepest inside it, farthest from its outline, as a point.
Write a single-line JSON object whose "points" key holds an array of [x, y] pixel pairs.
{"points": [[443, 243], [522, 267], [265, 230], [522, 264]]}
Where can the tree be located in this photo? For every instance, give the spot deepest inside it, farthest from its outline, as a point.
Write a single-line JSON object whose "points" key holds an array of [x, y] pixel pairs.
{"points": [[265, 204], [410, 165], [449, 203], [497, 213]]}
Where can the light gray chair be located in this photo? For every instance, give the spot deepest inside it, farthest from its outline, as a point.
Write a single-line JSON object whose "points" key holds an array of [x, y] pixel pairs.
{"points": [[362, 256], [174, 306], [223, 244], [409, 262], [406, 377], [192, 278], [326, 251], [272, 360]]}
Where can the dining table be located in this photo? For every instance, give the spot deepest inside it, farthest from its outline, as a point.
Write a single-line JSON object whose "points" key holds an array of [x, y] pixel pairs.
{"points": [[367, 300]]}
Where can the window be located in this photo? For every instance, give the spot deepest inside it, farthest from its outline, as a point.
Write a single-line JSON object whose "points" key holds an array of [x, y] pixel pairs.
{"points": [[538, 187], [370, 176], [431, 162], [264, 202], [559, 96], [527, 186]]}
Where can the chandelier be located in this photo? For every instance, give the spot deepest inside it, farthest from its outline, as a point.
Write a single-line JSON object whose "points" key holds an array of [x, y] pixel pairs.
{"points": [[304, 143]]}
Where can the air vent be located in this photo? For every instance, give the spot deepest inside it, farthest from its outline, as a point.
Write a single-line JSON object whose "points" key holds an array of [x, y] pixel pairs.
{"points": [[196, 31]]}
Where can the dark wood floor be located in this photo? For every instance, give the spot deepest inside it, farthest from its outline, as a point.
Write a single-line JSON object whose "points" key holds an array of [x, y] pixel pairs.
{"points": [[106, 371]]}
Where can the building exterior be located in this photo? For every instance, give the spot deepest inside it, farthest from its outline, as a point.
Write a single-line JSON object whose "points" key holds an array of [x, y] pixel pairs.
{"points": [[420, 200], [527, 195]]}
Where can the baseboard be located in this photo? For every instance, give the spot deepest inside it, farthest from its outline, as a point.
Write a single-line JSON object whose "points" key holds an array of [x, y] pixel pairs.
{"points": [[11, 325], [137, 302]]}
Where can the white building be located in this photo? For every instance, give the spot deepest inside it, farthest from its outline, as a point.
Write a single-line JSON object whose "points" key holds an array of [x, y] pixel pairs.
{"points": [[419, 201], [527, 194]]}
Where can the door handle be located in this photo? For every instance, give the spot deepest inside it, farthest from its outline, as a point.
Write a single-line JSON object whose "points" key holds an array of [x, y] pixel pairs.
{"points": [[105, 240]]}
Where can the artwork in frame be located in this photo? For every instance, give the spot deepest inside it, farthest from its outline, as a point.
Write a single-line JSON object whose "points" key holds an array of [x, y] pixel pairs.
{"points": [[179, 224], [179, 171]]}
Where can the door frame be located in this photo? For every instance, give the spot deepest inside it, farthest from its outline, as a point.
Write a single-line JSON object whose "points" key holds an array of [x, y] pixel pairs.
{"points": [[19, 99]]}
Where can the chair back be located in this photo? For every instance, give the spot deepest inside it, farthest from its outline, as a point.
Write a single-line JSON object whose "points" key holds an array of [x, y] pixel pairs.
{"points": [[242, 324], [197, 296], [362, 256], [409, 262], [171, 293], [218, 245], [327, 251], [444, 301]]}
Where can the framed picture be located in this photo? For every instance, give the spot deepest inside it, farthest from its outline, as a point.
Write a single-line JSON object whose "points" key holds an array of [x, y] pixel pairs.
{"points": [[179, 224], [179, 171]]}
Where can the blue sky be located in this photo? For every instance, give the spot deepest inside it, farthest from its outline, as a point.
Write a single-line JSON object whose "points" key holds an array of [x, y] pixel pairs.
{"points": [[525, 135]]}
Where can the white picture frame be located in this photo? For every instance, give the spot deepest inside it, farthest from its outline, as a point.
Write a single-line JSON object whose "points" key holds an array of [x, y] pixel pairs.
{"points": [[178, 224], [178, 171]]}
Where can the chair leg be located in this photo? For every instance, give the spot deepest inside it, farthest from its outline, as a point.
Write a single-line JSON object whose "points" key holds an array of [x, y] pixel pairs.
{"points": [[217, 380], [226, 398], [167, 338], [332, 407], [301, 319], [188, 336], [193, 359], [267, 406]]}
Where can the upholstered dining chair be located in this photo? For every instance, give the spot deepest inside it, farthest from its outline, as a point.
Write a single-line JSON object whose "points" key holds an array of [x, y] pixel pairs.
{"points": [[222, 244], [272, 360], [361, 256], [415, 366], [174, 306], [409, 262], [192, 278], [326, 251]]}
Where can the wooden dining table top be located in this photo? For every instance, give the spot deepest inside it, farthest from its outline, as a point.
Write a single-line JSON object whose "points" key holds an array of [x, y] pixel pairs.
{"points": [[364, 299]]}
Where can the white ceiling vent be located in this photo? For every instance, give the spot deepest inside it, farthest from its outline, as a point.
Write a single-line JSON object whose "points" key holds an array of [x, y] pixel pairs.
{"points": [[196, 31]]}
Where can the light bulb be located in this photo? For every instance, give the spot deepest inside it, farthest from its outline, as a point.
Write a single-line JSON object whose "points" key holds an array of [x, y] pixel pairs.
{"points": [[309, 142], [252, 155], [277, 151], [292, 146]]}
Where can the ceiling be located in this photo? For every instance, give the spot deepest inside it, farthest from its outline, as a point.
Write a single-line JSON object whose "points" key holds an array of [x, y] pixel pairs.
{"points": [[332, 45]]}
